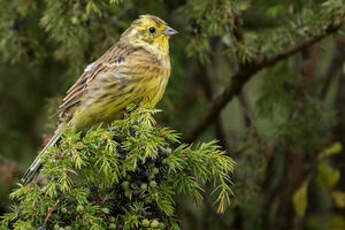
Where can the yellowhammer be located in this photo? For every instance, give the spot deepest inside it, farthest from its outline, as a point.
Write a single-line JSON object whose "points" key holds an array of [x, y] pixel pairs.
{"points": [[134, 70]]}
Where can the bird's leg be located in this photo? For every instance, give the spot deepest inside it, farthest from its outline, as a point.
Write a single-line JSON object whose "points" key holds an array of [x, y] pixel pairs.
{"points": [[125, 113]]}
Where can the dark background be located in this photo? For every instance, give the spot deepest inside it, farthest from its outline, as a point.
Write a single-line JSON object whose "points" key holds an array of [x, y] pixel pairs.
{"points": [[264, 77]]}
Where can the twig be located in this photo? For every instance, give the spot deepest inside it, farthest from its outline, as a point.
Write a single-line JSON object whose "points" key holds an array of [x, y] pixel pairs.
{"points": [[244, 74], [50, 211]]}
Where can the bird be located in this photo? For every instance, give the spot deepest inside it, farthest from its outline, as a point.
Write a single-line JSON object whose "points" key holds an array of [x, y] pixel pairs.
{"points": [[135, 70]]}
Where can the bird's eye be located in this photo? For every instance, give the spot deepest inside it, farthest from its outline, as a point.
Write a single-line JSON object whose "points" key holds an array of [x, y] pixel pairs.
{"points": [[152, 30]]}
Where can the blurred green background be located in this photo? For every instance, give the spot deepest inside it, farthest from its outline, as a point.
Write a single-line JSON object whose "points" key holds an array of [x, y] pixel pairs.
{"points": [[285, 128]]}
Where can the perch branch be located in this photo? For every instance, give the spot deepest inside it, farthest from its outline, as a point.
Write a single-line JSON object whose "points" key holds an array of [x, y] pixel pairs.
{"points": [[241, 78]]}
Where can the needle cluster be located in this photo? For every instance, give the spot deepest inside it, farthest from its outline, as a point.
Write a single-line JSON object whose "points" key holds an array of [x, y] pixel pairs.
{"points": [[123, 177]]}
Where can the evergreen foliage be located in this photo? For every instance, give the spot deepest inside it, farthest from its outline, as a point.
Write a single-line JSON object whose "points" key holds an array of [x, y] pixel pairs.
{"points": [[123, 177], [265, 77]]}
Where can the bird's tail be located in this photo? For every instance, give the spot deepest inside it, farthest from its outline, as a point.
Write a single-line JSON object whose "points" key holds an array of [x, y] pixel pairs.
{"points": [[36, 166]]}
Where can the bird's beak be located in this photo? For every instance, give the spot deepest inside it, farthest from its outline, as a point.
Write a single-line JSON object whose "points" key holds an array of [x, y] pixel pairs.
{"points": [[169, 31]]}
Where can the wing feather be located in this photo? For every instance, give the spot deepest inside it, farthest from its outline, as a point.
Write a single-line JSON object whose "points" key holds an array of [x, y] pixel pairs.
{"points": [[114, 57], [124, 74]]}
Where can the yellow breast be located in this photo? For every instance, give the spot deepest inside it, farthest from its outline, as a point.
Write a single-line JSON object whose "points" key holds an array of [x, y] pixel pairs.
{"points": [[105, 104], [156, 87]]}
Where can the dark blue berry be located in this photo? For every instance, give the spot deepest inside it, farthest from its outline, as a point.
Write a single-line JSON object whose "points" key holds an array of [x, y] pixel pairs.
{"points": [[122, 157], [193, 22], [132, 131], [109, 189], [158, 178], [140, 165], [194, 27], [115, 210], [15, 25], [49, 177], [146, 173], [93, 188], [117, 139], [90, 198], [158, 161], [59, 193], [162, 154], [149, 160], [120, 150], [41, 228], [21, 208]]}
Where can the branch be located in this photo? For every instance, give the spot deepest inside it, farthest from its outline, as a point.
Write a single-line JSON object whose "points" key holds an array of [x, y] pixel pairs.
{"points": [[49, 213], [242, 77]]}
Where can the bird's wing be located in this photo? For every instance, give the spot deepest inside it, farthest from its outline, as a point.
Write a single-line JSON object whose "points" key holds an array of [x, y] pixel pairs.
{"points": [[121, 65], [74, 94]]}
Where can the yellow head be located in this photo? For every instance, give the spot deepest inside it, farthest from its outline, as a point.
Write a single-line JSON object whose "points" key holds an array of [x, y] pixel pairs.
{"points": [[151, 33]]}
